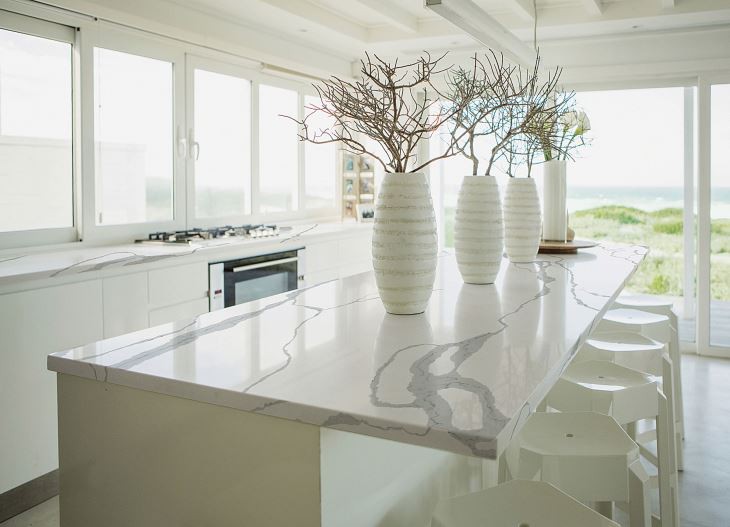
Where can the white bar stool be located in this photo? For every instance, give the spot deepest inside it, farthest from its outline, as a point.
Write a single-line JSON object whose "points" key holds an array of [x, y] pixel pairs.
{"points": [[599, 386], [586, 455], [628, 396], [662, 306], [654, 326], [517, 503]]}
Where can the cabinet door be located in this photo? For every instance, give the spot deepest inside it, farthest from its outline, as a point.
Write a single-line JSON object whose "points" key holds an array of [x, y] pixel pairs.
{"points": [[184, 311], [175, 285], [32, 325], [321, 256], [357, 249], [125, 304]]}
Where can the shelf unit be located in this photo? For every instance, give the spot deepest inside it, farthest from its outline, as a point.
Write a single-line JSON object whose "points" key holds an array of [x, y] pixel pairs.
{"points": [[358, 184]]}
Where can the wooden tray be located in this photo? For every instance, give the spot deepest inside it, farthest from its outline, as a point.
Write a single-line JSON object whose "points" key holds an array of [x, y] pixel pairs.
{"points": [[570, 247]]}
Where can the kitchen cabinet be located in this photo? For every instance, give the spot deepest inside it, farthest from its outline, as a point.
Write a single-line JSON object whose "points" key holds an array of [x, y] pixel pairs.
{"points": [[125, 304], [183, 311], [34, 324], [175, 285], [337, 258]]}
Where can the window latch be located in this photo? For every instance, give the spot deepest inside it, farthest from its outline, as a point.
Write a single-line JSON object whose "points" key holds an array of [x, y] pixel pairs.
{"points": [[194, 150]]}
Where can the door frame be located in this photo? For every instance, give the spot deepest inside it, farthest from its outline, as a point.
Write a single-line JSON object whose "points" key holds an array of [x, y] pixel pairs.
{"points": [[704, 203]]}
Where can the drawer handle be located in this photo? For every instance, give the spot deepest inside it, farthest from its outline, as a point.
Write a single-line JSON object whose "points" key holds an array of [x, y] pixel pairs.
{"points": [[264, 264]]}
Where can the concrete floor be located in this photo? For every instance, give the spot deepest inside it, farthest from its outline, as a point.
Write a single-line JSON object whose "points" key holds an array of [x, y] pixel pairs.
{"points": [[719, 324], [704, 484]]}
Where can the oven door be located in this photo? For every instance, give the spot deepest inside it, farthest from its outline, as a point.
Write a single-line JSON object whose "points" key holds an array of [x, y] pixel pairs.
{"points": [[257, 277]]}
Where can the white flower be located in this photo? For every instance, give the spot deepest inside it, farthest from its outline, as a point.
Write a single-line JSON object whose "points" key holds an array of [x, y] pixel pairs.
{"points": [[577, 120], [584, 124]]}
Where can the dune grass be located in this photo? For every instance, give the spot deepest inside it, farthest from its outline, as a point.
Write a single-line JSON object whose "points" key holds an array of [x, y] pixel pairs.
{"points": [[661, 230]]}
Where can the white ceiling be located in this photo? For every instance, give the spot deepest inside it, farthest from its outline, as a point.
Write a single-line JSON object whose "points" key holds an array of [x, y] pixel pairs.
{"points": [[346, 28]]}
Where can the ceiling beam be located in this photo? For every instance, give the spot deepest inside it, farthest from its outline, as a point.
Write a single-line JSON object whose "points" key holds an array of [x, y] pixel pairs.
{"points": [[594, 7], [394, 14], [322, 18], [525, 9], [474, 21]]}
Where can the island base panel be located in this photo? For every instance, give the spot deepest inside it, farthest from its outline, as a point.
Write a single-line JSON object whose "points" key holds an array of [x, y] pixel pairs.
{"points": [[370, 481], [131, 457]]}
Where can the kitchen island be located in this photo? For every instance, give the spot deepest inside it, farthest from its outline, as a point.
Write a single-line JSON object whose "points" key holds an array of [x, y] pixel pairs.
{"points": [[315, 406]]}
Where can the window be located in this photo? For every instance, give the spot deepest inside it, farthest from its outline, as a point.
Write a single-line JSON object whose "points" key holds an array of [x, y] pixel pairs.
{"points": [[222, 117], [278, 150], [178, 136], [133, 133], [320, 167], [36, 159], [632, 190]]}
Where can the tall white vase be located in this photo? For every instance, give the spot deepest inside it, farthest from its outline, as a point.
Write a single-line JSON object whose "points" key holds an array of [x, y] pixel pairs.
{"points": [[478, 230], [404, 243], [522, 220], [554, 201]]}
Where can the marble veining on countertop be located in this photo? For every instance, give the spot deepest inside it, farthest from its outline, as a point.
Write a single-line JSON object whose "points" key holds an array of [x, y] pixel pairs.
{"points": [[63, 263], [461, 377]]}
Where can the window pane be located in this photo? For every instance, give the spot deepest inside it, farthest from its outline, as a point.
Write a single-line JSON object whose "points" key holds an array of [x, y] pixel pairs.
{"points": [[133, 129], [278, 149], [632, 191], [320, 163], [36, 169], [223, 131]]}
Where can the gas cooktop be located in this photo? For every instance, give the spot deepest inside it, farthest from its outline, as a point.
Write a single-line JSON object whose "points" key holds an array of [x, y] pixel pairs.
{"points": [[227, 231]]}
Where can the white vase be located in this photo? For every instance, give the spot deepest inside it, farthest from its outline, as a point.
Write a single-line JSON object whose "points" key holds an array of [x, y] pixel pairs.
{"points": [[522, 221], [404, 243], [478, 230], [554, 201]]}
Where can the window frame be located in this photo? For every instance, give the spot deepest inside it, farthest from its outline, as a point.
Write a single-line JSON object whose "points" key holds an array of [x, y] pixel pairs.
{"points": [[133, 42], [230, 68], [219, 62], [60, 32]]}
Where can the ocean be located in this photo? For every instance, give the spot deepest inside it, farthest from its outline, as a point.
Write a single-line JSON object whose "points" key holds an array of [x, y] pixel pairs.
{"points": [[644, 198]]}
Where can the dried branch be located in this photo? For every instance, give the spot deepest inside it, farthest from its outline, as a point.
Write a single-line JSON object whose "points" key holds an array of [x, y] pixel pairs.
{"points": [[393, 105]]}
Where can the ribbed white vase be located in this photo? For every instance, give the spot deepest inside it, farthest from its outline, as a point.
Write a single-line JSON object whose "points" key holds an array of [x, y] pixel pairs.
{"points": [[522, 222], [404, 243], [478, 230], [554, 201]]}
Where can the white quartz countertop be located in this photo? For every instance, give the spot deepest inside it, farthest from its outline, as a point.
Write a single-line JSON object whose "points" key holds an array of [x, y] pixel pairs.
{"points": [[461, 377], [77, 261]]}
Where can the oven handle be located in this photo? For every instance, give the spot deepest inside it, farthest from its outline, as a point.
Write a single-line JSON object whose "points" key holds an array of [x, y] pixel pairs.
{"points": [[265, 264]]}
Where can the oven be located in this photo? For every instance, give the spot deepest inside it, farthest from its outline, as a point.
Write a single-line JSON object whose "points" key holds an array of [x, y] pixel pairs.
{"points": [[238, 281]]}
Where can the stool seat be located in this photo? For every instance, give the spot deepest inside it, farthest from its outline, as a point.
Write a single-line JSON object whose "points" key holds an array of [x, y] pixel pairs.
{"points": [[623, 341], [576, 434], [639, 301], [634, 317], [600, 386], [585, 454], [517, 503]]}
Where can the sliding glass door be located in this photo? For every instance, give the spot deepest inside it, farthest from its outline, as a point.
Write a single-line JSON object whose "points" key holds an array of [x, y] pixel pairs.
{"points": [[713, 322]]}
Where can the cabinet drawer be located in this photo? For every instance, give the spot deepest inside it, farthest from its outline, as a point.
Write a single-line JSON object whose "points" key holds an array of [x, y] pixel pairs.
{"points": [[184, 311], [175, 285]]}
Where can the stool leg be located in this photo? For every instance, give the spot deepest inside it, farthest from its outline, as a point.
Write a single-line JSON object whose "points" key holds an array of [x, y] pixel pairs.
{"points": [[631, 430], [639, 502]]}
